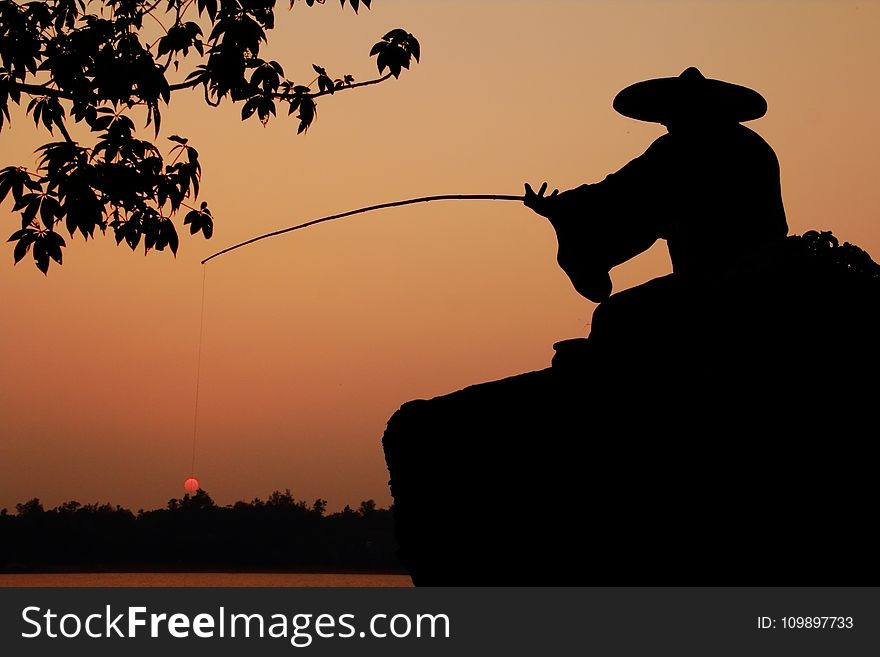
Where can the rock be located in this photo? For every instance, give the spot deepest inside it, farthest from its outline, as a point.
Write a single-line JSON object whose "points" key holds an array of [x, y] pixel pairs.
{"points": [[719, 434]]}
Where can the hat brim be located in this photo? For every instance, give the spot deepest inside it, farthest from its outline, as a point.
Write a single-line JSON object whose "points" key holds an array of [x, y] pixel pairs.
{"points": [[664, 100]]}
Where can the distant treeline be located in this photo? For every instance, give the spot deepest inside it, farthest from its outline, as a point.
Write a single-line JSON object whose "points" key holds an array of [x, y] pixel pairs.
{"points": [[193, 533]]}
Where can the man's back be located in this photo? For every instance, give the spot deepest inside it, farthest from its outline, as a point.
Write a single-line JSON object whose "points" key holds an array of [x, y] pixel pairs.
{"points": [[716, 197]]}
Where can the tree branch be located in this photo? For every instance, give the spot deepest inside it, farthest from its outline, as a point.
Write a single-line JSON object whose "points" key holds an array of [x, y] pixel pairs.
{"points": [[37, 90], [152, 7], [352, 86], [63, 129], [150, 14], [185, 85], [194, 83]]}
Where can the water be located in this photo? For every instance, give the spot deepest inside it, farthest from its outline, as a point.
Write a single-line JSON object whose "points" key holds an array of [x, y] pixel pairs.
{"points": [[205, 579]]}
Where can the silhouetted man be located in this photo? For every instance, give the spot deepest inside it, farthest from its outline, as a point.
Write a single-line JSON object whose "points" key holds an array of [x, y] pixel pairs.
{"points": [[671, 435], [710, 188]]}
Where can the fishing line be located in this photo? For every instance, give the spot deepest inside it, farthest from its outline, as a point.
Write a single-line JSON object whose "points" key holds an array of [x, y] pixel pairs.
{"points": [[191, 485]]}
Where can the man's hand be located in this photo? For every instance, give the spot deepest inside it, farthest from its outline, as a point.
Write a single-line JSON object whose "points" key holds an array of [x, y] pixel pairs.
{"points": [[541, 204]]}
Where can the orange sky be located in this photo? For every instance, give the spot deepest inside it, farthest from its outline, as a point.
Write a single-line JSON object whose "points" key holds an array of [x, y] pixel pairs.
{"points": [[313, 340]]}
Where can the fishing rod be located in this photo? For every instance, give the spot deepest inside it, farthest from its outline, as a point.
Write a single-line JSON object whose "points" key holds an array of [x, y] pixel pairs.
{"points": [[370, 208], [191, 485]]}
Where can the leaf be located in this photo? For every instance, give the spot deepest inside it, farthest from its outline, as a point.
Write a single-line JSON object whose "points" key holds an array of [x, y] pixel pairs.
{"points": [[396, 35], [169, 235], [179, 140], [35, 107], [210, 6], [25, 238], [266, 107], [19, 234], [31, 207], [23, 201], [54, 250], [50, 209], [5, 187], [193, 218], [414, 48], [165, 46], [200, 220], [55, 238], [100, 123], [41, 255], [306, 116], [382, 60], [325, 84], [21, 250], [133, 235], [249, 108], [201, 73]]}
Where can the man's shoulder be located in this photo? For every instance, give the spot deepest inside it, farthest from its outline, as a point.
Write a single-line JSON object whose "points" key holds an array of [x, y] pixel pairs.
{"points": [[723, 139]]}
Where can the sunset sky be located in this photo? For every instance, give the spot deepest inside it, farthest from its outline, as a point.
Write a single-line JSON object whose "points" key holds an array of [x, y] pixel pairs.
{"points": [[313, 340]]}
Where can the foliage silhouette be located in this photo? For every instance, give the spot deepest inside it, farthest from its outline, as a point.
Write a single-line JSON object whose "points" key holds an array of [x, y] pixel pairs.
{"points": [[192, 532], [93, 62]]}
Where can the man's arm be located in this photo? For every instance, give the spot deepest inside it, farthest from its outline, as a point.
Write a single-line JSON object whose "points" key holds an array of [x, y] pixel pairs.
{"points": [[601, 225]]}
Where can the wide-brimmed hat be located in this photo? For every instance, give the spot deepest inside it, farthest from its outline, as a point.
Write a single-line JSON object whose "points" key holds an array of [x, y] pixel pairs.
{"points": [[689, 96]]}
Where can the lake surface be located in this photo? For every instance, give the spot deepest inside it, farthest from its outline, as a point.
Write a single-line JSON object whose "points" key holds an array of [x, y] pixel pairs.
{"points": [[206, 579]]}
